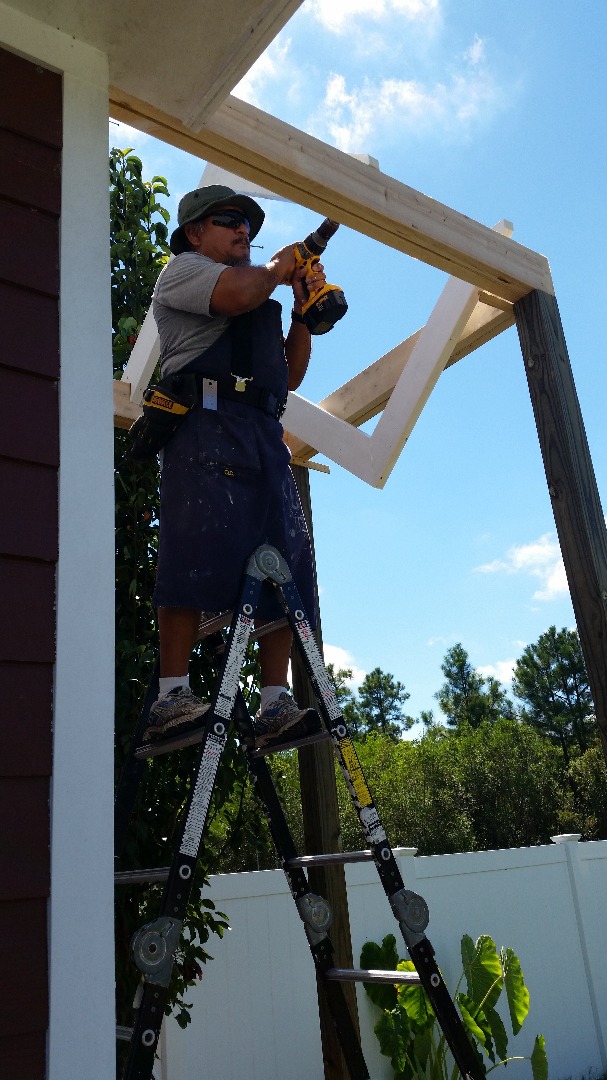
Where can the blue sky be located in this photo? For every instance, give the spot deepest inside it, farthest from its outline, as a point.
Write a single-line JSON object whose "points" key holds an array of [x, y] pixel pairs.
{"points": [[498, 110]]}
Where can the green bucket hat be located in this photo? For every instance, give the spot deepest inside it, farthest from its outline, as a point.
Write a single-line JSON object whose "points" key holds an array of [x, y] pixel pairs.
{"points": [[197, 204]]}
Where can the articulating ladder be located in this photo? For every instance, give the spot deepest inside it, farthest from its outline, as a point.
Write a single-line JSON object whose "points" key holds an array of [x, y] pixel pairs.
{"points": [[154, 944]]}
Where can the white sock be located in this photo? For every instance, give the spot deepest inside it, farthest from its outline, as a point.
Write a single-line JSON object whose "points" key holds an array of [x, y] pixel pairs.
{"points": [[170, 682], [270, 694]]}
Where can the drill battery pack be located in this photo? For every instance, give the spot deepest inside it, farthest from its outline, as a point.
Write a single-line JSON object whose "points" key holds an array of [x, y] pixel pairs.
{"points": [[324, 309], [165, 406]]}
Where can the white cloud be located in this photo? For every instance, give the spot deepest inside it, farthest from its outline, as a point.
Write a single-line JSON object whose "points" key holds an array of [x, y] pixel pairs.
{"points": [[342, 659], [540, 559], [502, 670], [271, 65], [476, 53], [350, 116], [339, 16], [440, 640]]}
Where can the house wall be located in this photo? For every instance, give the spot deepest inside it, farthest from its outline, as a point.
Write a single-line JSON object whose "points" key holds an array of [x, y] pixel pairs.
{"points": [[56, 568], [255, 1011], [30, 201]]}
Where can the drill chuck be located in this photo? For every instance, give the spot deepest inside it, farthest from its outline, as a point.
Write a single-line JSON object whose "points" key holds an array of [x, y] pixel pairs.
{"points": [[317, 241]]}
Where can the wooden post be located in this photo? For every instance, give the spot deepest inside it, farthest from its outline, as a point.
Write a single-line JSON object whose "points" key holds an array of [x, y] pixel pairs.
{"points": [[571, 482], [321, 828]]}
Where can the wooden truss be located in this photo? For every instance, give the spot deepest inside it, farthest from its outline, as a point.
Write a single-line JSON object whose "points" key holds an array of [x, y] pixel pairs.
{"points": [[494, 282]]}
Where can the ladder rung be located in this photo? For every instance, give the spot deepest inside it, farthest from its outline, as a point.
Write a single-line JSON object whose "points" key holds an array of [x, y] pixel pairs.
{"points": [[148, 877], [268, 628], [327, 860], [319, 736], [213, 622], [372, 976], [125, 1034], [219, 622], [165, 746], [190, 738]]}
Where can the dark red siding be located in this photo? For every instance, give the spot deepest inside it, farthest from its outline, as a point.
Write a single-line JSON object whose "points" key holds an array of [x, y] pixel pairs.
{"points": [[30, 203]]}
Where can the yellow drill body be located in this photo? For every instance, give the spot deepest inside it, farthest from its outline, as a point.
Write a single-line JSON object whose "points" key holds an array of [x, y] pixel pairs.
{"points": [[326, 305]]}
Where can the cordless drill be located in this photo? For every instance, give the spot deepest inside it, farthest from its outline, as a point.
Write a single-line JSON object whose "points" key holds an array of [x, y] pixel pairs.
{"points": [[327, 305]]}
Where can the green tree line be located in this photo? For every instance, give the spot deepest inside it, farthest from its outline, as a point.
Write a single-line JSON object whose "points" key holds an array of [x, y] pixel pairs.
{"points": [[491, 773]]}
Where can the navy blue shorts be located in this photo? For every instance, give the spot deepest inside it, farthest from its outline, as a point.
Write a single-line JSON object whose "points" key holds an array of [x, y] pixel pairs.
{"points": [[226, 488]]}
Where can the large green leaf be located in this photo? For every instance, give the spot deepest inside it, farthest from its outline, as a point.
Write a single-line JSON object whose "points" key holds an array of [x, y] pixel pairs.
{"points": [[393, 1032], [414, 1000], [516, 991], [382, 957], [476, 1023], [539, 1061], [482, 969], [498, 1032], [422, 1045]]}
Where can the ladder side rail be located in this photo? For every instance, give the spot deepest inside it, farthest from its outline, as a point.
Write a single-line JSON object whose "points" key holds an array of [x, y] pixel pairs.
{"points": [[154, 945], [410, 910], [132, 770]]}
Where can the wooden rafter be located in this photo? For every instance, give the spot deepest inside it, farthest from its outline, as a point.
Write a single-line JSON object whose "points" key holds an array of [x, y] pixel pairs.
{"points": [[261, 148]]}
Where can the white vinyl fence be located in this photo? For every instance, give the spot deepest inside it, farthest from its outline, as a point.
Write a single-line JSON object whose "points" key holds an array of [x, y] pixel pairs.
{"points": [[255, 1013]]}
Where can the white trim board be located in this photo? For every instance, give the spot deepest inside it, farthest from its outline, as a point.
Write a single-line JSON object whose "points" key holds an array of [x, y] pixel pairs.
{"points": [[372, 457]]}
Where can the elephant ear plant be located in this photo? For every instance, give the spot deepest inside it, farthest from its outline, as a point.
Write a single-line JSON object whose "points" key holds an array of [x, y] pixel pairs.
{"points": [[408, 1031]]}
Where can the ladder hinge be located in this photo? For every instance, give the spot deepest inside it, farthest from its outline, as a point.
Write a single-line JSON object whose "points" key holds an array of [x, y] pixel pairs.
{"points": [[153, 949], [412, 913]]}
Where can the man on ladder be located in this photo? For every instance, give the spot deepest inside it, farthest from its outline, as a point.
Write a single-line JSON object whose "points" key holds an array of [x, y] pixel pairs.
{"points": [[226, 483]]}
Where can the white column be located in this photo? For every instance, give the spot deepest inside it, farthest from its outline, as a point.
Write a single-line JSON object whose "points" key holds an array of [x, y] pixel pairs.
{"points": [[81, 1040]]}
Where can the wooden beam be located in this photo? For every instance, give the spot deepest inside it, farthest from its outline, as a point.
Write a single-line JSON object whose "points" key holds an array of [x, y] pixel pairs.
{"points": [[283, 159], [125, 410], [322, 831], [573, 491], [364, 396]]}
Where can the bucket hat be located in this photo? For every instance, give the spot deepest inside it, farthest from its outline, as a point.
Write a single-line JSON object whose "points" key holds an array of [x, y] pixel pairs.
{"points": [[197, 204]]}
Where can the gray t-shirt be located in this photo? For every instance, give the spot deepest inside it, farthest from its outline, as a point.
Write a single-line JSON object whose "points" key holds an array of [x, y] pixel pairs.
{"points": [[181, 309]]}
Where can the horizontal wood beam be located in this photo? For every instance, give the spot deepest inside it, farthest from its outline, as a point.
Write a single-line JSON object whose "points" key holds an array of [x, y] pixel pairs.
{"points": [[283, 159], [364, 396], [125, 410]]}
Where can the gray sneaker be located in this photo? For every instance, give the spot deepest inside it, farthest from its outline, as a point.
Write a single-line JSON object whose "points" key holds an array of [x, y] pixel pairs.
{"points": [[179, 710], [283, 721]]}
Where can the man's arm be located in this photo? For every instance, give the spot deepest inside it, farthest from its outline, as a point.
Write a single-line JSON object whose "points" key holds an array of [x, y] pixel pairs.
{"points": [[243, 288], [298, 346]]}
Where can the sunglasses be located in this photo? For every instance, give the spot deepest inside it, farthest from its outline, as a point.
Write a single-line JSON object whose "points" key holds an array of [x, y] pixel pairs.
{"points": [[230, 219]]}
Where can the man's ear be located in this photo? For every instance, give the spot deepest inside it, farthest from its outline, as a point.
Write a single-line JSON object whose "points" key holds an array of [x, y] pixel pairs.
{"points": [[192, 231]]}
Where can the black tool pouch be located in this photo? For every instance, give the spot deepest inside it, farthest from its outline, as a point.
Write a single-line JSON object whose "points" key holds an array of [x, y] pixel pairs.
{"points": [[165, 405]]}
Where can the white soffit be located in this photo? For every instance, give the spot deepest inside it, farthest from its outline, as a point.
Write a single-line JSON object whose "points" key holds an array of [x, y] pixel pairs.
{"points": [[184, 59]]}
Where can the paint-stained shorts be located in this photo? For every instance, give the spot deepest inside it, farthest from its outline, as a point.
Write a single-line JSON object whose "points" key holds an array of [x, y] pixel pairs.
{"points": [[226, 488]]}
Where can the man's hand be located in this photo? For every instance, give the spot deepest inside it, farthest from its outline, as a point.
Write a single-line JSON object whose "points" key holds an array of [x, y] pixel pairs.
{"points": [[305, 285], [284, 263]]}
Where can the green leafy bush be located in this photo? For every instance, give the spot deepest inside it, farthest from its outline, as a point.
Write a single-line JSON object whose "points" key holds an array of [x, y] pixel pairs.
{"points": [[408, 1031]]}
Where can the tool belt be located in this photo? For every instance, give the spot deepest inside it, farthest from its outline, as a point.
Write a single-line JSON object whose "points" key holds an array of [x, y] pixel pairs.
{"points": [[259, 397], [167, 403]]}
